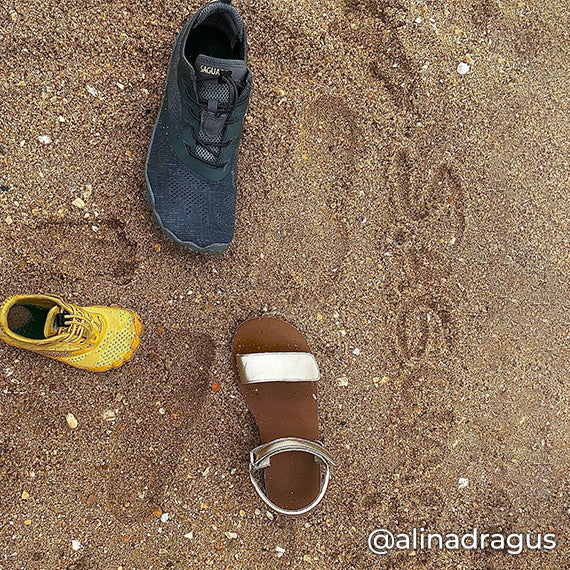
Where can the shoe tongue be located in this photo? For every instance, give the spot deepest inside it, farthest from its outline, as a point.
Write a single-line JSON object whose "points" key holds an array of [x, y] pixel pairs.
{"points": [[209, 67], [53, 322]]}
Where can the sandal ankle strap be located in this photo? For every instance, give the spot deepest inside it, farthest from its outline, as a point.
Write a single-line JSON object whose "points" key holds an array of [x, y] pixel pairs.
{"points": [[260, 458]]}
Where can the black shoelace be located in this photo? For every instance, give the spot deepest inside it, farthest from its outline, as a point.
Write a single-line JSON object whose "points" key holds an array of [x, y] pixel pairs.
{"points": [[222, 109]]}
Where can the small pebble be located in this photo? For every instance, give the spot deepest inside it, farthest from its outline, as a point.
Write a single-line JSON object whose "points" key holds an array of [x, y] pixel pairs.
{"points": [[120, 86], [342, 381], [25, 495], [9, 220], [463, 68], [189, 535], [356, 351], [78, 203], [463, 482], [418, 20], [269, 515], [45, 139], [230, 535], [71, 421], [92, 91], [91, 499], [75, 544], [108, 415], [61, 119], [164, 517]]}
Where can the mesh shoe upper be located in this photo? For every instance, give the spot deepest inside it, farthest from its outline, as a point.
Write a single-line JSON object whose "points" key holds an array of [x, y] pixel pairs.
{"points": [[192, 158]]}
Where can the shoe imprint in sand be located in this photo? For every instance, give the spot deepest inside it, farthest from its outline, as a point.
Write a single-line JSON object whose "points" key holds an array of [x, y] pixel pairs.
{"points": [[310, 226], [329, 139], [152, 429], [75, 250]]}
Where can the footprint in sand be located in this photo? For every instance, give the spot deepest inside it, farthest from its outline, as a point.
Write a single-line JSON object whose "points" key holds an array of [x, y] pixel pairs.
{"points": [[75, 250], [312, 231], [437, 201], [163, 397], [306, 236], [328, 140]]}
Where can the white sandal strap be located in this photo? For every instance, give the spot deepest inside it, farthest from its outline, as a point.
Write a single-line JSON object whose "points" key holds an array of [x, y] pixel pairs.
{"points": [[277, 367], [260, 458]]}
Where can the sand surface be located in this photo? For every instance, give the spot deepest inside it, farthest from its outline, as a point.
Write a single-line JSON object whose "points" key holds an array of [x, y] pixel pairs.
{"points": [[411, 221]]}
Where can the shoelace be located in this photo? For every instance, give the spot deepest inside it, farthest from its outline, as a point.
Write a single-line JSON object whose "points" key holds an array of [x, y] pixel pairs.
{"points": [[223, 109], [80, 327]]}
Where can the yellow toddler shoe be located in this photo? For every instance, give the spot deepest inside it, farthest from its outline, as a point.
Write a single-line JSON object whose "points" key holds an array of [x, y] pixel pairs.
{"points": [[93, 338]]}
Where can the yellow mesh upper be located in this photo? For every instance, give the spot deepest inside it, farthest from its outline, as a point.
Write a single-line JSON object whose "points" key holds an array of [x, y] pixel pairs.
{"points": [[118, 342], [105, 337]]}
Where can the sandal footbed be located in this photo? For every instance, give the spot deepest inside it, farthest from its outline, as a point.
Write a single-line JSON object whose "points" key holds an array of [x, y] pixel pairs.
{"points": [[282, 409]]}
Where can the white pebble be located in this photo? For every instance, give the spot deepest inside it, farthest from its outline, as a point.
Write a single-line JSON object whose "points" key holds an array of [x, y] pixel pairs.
{"points": [[120, 86], [230, 535], [75, 544], [418, 20], [9, 220], [164, 517], [189, 535], [463, 482], [356, 351], [342, 381], [463, 68], [71, 421], [269, 515], [108, 415], [92, 91], [45, 139], [78, 203]]}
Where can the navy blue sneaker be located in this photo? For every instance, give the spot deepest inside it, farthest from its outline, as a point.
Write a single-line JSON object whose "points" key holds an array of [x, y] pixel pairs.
{"points": [[192, 159]]}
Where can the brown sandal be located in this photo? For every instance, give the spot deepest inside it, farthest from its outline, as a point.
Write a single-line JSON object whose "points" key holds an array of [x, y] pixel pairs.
{"points": [[277, 377]]}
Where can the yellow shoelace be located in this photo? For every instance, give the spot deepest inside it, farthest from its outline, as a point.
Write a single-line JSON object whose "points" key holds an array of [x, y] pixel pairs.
{"points": [[81, 328]]}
